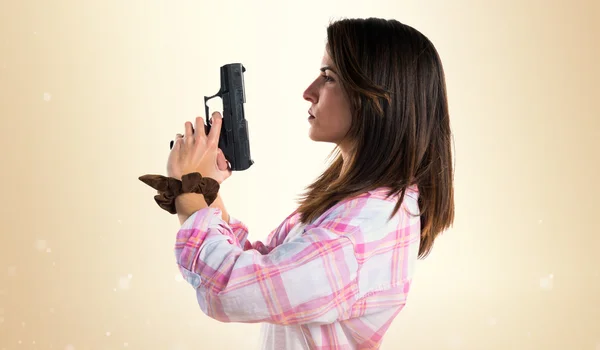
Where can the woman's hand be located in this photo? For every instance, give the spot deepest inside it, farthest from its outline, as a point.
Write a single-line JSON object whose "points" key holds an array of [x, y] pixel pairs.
{"points": [[197, 152]]}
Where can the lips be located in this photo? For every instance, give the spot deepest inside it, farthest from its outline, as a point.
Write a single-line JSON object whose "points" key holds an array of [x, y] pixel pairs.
{"points": [[310, 114]]}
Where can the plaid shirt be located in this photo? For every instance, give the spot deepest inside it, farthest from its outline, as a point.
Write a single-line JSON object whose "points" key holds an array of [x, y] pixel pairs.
{"points": [[336, 283]]}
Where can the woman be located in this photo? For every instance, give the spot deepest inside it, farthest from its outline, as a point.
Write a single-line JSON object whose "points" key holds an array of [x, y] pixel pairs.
{"points": [[338, 270]]}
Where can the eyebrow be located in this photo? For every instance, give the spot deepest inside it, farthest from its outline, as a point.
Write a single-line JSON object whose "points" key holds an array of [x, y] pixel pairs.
{"points": [[324, 68]]}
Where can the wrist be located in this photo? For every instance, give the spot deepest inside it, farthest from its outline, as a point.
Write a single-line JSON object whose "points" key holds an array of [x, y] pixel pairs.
{"points": [[188, 203], [218, 203]]}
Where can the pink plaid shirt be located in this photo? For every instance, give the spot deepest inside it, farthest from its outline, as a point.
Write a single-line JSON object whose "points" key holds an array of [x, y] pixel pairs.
{"points": [[336, 283]]}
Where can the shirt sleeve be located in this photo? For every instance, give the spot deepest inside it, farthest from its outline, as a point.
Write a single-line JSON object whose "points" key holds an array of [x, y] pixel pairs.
{"points": [[312, 278], [239, 230]]}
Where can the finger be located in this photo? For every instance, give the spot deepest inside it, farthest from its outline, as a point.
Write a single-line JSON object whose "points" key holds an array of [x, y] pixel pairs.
{"points": [[215, 129], [174, 153], [176, 146], [200, 126], [178, 142], [189, 132], [173, 141]]}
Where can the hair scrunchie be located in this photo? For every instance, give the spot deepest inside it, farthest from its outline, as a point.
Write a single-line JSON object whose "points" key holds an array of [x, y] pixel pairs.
{"points": [[169, 188]]}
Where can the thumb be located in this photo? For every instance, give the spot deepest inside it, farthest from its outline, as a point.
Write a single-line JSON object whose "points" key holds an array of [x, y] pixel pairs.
{"points": [[222, 163]]}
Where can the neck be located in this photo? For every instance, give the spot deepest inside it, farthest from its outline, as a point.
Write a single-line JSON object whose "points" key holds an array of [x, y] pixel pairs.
{"points": [[345, 153]]}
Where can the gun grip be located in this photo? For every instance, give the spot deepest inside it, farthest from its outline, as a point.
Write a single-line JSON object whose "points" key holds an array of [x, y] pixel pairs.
{"points": [[207, 127]]}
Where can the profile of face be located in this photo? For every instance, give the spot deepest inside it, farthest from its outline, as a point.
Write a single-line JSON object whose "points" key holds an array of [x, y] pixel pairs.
{"points": [[330, 113]]}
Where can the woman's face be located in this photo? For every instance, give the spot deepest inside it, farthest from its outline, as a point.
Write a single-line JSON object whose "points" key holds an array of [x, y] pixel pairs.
{"points": [[330, 114]]}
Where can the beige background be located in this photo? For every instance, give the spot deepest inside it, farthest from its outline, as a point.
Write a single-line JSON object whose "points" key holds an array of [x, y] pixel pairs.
{"points": [[91, 93]]}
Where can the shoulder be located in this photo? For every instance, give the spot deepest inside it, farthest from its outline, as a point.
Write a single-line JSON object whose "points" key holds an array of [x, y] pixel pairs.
{"points": [[369, 211], [384, 246]]}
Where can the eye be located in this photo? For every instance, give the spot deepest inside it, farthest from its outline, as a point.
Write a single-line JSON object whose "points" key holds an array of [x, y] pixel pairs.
{"points": [[327, 78]]}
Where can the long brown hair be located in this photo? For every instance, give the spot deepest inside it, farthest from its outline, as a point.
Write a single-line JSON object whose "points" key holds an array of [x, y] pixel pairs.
{"points": [[400, 128]]}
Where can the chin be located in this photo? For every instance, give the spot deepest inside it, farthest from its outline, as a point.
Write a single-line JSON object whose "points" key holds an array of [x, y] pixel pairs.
{"points": [[320, 138], [318, 135], [315, 136]]}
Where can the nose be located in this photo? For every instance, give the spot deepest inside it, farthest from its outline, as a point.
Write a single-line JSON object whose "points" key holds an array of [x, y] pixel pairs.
{"points": [[310, 94]]}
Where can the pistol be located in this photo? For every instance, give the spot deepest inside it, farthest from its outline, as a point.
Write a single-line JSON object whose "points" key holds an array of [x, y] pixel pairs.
{"points": [[234, 140]]}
